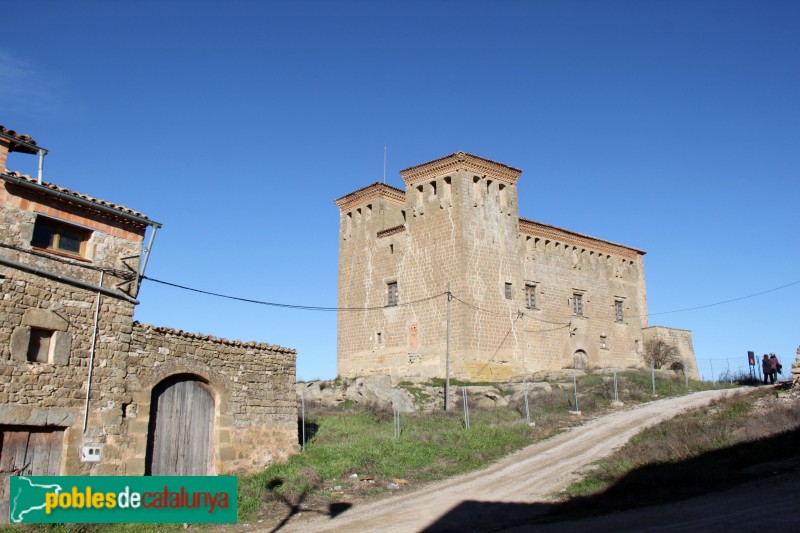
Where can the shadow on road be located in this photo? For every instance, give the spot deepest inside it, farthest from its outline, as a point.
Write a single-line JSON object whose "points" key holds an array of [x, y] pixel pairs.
{"points": [[647, 486]]}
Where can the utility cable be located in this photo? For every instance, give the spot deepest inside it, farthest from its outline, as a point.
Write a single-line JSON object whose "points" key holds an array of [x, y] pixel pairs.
{"points": [[288, 306]]}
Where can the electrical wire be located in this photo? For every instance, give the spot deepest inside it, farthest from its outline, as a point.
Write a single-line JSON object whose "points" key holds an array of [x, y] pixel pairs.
{"points": [[288, 306]]}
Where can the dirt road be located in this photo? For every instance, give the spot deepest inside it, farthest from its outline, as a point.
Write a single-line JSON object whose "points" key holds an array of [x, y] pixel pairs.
{"points": [[504, 494]]}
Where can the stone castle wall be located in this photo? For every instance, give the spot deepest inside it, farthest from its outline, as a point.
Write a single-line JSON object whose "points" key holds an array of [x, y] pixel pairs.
{"points": [[460, 227]]}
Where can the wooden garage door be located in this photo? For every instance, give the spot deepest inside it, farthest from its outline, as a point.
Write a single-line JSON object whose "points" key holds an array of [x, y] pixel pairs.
{"points": [[27, 451], [181, 428]]}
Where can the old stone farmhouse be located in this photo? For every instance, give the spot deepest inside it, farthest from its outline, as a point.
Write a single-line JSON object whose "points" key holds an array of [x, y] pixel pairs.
{"points": [[526, 296], [86, 390]]}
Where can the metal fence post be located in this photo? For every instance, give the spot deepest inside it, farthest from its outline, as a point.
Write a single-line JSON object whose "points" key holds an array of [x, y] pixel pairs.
{"points": [[527, 410], [303, 417], [616, 396], [466, 407], [575, 386], [653, 377], [713, 378], [396, 405]]}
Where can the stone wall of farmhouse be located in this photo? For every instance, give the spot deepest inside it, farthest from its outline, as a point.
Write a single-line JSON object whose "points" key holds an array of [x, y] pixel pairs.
{"points": [[255, 411], [53, 393], [255, 406]]}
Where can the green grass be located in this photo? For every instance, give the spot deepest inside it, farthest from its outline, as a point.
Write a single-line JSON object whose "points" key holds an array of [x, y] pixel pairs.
{"points": [[431, 446], [354, 439]]}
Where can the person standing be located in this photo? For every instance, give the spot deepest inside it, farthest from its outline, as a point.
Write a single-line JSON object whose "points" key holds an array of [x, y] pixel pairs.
{"points": [[765, 367], [774, 366]]}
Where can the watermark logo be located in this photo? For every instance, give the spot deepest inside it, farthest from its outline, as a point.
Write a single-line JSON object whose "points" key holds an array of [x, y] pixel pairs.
{"points": [[122, 499]]}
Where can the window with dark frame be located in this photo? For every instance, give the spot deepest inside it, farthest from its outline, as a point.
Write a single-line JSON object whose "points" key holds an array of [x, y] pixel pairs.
{"points": [[39, 345], [618, 312], [577, 304], [59, 237], [509, 294], [392, 293], [604, 342], [530, 296]]}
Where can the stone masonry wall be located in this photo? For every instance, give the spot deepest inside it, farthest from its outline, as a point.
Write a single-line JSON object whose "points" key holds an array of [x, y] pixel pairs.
{"points": [[255, 407], [682, 339], [255, 412], [462, 227], [53, 393]]}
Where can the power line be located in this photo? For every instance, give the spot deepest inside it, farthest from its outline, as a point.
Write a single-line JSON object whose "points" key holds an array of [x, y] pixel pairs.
{"points": [[287, 306], [724, 301]]}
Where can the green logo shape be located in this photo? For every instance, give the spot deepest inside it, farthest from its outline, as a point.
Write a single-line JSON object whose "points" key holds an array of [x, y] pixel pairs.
{"points": [[122, 499]]}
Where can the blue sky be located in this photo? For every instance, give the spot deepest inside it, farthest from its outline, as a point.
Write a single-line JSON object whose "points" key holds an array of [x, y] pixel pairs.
{"points": [[668, 126]]}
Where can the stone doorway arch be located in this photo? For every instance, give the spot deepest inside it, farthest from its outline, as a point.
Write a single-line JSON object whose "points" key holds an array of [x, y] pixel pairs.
{"points": [[181, 427], [580, 360]]}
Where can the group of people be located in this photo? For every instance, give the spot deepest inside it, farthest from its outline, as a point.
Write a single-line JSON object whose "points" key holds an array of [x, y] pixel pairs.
{"points": [[771, 368]]}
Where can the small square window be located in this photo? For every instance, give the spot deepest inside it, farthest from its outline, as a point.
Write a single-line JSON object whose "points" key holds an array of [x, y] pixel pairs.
{"points": [[59, 237], [39, 345], [508, 291], [392, 294], [577, 304], [618, 311], [530, 296]]}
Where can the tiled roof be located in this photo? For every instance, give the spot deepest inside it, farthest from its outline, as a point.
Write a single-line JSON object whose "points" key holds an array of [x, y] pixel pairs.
{"points": [[456, 161], [211, 338], [66, 193], [573, 237], [20, 137], [375, 190]]}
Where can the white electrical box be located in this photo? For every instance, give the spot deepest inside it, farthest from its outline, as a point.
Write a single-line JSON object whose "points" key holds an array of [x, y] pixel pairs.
{"points": [[91, 454]]}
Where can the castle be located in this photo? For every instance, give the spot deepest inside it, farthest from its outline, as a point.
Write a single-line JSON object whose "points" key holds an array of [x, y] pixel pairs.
{"points": [[85, 390], [450, 258]]}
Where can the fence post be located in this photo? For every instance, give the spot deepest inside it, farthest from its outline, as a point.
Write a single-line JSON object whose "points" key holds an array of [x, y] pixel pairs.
{"points": [[653, 377], [713, 378], [303, 418], [527, 411], [616, 396], [466, 408], [730, 377], [396, 405], [575, 386]]}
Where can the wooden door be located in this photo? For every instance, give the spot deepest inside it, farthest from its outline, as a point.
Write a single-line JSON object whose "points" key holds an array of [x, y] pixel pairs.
{"points": [[579, 360], [181, 428], [27, 451]]}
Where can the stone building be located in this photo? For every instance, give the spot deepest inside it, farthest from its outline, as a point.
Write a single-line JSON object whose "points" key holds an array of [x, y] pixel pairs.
{"points": [[526, 296], [86, 390]]}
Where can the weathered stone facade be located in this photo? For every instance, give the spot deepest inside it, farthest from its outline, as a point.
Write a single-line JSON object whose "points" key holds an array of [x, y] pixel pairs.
{"points": [[681, 339], [527, 296], [77, 370]]}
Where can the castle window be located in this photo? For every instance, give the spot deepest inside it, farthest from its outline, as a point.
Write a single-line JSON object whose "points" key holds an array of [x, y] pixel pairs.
{"points": [[57, 236], [433, 188], [577, 304], [448, 188], [603, 342], [530, 296], [392, 294], [391, 248], [379, 337], [39, 345], [509, 294], [618, 312]]}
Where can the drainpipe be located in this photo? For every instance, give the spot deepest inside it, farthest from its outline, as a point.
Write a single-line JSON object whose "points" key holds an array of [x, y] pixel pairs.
{"points": [[91, 353]]}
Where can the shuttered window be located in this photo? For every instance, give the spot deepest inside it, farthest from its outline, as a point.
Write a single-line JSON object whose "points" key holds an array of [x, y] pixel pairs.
{"points": [[577, 304], [392, 294]]}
